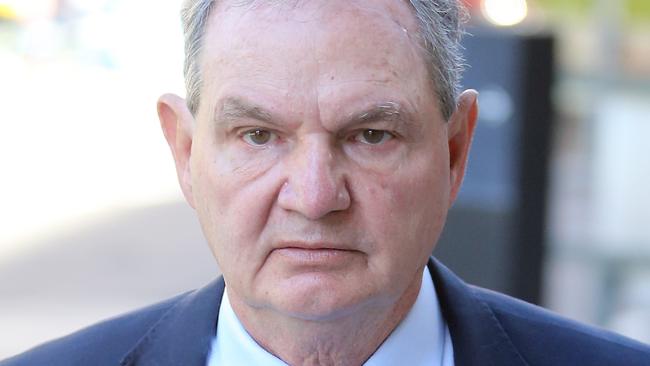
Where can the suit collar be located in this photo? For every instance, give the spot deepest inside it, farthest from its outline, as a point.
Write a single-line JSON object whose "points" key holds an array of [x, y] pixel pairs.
{"points": [[476, 334], [184, 333]]}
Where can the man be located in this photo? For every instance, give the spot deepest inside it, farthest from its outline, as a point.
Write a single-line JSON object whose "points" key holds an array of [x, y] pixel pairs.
{"points": [[321, 145]]}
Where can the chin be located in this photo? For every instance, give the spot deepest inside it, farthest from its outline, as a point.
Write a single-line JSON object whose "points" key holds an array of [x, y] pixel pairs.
{"points": [[319, 297]]}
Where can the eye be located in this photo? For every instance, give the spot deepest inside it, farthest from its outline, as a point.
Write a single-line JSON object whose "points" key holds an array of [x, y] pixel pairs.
{"points": [[373, 137], [258, 137]]}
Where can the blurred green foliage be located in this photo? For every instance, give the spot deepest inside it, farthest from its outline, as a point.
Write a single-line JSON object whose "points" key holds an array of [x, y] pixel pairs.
{"points": [[572, 7], [635, 10], [638, 10]]}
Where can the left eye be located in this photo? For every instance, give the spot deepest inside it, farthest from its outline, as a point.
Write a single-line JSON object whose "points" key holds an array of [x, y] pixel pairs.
{"points": [[373, 137], [259, 137]]}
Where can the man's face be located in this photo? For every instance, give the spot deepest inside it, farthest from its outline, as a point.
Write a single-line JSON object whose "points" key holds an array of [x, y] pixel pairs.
{"points": [[320, 163]]}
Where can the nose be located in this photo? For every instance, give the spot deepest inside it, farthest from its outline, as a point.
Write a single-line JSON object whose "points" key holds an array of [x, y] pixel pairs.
{"points": [[315, 184]]}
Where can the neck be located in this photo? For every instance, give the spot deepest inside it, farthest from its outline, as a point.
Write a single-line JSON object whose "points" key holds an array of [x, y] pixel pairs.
{"points": [[346, 340]]}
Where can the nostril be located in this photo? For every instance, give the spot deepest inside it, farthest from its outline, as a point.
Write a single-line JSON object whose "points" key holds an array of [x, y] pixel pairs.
{"points": [[286, 193], [313, 199], [343, 199]]}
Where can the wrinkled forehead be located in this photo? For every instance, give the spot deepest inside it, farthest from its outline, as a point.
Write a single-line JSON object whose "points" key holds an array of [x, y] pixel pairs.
{"points": [[329, 49], [399, 14], [398, 11], [386, 28]]}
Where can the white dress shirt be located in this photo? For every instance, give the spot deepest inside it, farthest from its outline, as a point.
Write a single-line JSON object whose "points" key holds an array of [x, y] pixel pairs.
{"points": [[422, 338]]}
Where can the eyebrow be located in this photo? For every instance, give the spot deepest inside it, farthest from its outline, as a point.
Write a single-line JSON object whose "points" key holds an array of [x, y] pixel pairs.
{"points": [[377, 112], [236, 108], [384, 111]]}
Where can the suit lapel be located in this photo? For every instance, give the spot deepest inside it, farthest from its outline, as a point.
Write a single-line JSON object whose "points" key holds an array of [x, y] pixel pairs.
{"points": [[183, 335], [477, 336]]}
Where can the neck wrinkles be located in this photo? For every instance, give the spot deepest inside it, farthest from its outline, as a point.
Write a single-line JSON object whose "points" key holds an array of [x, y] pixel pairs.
{"points": [[350, 339]]}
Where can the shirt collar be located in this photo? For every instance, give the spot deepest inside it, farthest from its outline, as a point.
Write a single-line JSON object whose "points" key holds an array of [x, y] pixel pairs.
{"points": [[232, 344], [423, 332]]}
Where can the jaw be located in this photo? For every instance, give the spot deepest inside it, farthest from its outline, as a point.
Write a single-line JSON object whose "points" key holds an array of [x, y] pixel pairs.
{"points": [[339, 337]]}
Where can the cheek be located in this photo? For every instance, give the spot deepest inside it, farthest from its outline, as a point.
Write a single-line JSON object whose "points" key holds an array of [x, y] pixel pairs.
{"points": [[234, 197], [408, 208]]}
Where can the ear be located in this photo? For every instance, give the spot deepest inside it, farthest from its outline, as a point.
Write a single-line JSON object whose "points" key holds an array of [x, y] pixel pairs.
{"points": [[177, 124], [460, 133]]}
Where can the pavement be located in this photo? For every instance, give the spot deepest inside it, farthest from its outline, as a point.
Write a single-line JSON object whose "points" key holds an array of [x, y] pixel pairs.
{"points": [[112, 264]]}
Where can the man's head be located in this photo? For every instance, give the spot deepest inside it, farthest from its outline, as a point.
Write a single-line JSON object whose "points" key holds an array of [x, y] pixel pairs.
{"points": [[319, 157]]}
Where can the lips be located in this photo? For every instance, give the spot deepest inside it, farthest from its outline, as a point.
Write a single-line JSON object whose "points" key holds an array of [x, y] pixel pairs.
{"points": [[313, 246], [314, 253]]}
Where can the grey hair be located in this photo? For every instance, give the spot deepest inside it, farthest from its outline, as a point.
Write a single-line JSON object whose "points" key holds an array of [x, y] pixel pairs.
{"points": [[441, 29]]}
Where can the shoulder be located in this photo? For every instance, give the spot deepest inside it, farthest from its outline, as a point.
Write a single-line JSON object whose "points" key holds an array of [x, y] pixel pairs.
{"points": [[543, 337], [104, 343]]}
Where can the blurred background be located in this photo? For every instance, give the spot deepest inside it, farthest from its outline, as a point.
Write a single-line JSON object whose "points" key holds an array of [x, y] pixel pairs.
{"points": [[555, 210]]}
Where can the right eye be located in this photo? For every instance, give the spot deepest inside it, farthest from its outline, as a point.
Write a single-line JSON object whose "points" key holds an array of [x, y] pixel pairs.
{"points": [[373, 137], [259, 137]]}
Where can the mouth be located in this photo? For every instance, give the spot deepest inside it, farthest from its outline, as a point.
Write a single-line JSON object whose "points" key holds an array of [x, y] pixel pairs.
{"points": [[315, 254]]}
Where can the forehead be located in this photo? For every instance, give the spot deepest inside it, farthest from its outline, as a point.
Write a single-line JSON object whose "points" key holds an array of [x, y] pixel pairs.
{"points": [[315, 44], [236, 15]]}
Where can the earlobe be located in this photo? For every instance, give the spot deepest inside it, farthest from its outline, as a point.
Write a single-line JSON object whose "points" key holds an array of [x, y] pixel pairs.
{"points": [[177, 124], [460, 133]]}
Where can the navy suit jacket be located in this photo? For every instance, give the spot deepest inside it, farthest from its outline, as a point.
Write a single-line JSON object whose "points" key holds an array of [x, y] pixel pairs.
{"points": [[487, 329]]}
